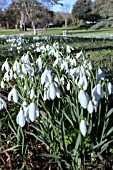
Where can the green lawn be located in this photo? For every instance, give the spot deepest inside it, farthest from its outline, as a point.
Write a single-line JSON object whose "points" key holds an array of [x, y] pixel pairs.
{"points": [[71, 32], [11, 32], [102, 33]]}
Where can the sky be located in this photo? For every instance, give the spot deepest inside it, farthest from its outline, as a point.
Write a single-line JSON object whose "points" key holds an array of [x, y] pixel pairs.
{"points": [[57, 8]]}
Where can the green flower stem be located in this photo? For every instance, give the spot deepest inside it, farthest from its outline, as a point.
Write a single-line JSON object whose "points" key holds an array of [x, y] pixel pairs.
{"points": [[11, 119]]}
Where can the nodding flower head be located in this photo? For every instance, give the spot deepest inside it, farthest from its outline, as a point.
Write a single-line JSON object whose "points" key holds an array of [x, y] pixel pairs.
{"points": [[2, 104], [32, 94], [2, 84], [83, 98], [32, 112], [13, 93], [20, 119], [90, 107], [83, 127], [52, 91], [6, 66]]}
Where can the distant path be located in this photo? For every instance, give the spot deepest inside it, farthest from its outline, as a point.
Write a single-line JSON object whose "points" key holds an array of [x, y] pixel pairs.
{"points": [[39, 30]]}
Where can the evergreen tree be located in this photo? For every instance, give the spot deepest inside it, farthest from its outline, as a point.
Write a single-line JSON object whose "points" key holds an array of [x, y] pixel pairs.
{"points": [[82, 9]]}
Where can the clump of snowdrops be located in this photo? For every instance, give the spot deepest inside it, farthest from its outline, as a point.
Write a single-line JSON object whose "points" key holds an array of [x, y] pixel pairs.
{"points": [[64, 98]]}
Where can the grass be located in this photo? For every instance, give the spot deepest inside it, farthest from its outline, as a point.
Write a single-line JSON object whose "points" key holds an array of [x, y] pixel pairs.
{"points": [[11, 32], [31, 149], [71, 31], [102, 33], [95, 48]]}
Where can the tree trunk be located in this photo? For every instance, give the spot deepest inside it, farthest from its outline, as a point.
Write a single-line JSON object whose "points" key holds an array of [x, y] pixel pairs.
{"points": [[7, 25], [22, 19], [66, 21], [34, 28]]}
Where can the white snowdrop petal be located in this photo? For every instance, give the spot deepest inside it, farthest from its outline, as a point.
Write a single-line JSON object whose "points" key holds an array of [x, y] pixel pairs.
{"points": [[15, 95], [95, 95], [32, 112], [85, 83], [68, 86], [100, 90], [6, 66], [2, 84], [83, 128], [37, 112], [100, 75], [32, 94], [90, 107], [57, 92], [73, 71], [45, 95], [43, 76], [49, 77], [20, 119], [9, 95], [83, 98], [52, 91], [109, 88]]}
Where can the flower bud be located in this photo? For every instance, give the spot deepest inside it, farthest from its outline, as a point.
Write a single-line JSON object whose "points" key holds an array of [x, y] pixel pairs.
{"points": [[83, 128]]}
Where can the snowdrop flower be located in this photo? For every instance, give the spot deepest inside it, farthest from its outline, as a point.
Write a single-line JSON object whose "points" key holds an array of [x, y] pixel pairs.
{"points": [[83, 99], [20, 119], [109, 88], [32, 94], [73, 62], [68, 86], [39, 63], [90, 107], [13, 93], [52, 52], [25, 108], [69, 48], [11, 74], [6, 76], [44, 76], [64, 66], [89, 66], [100, 75], [45, 95], [56, 62], [6, 66], [48, 94], [80, 82], [95, 96], [15, 76], [73, 71], [32, 112], [57, 92], [37, 112], [2, 104], [16, 66], [62, 80], [56, 80], [100, 90], [25, 59], [52, 91], [82, 69], [83, 128], [85, 83], [2, 84], [24, 68], [80, 54], [49, 76]]}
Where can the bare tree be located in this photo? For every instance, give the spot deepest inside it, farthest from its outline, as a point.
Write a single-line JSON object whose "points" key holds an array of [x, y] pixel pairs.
{"points": [[66, 8], [32, 9]]}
